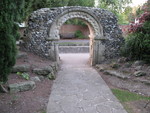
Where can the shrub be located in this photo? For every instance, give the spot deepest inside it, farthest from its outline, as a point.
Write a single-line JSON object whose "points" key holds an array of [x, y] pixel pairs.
{"points": [[137, 44], [11, 12], [138, 27], [79, 34]]}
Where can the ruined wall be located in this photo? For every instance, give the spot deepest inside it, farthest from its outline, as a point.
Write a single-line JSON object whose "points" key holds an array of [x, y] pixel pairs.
{"points": [[44, 26]]}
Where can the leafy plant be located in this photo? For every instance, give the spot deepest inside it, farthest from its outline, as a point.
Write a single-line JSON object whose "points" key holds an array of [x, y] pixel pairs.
{"points": [[137, 44], [115, 6], [79, 34], [24, 75], [76, 21]]}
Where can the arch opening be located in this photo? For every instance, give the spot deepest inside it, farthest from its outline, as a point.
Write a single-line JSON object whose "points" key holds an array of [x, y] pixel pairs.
{"points": [[73, 44], [74, 29], [95, 29]]}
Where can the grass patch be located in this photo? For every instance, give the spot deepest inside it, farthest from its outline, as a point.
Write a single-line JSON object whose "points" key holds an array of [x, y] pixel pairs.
{"points": [[126, 96]]}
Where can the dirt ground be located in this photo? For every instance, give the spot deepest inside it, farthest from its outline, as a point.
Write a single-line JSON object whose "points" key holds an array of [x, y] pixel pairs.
{"points": [[140, 106], [33, 101]]}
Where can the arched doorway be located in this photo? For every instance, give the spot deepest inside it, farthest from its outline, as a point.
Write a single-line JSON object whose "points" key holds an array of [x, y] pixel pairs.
{"points": [[95, 29], [44, 31]]}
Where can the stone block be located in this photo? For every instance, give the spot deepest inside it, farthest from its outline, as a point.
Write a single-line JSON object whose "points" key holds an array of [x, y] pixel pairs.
{"points": [[139, 73], [138, 63], [21, 68], [138, 68], [43, 71], [117, 74], [127, 65], [115, 65], [100, 68], [21, 55], [36, 79], [22, 86]]}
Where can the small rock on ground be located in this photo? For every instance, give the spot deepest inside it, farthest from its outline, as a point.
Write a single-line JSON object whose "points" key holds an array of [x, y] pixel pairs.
{"points": [[43, 71], [138, 63], [51, 76], [139, 73], [117, 74], [36, 79], [22, 86], [21, 55], [21, 68]]}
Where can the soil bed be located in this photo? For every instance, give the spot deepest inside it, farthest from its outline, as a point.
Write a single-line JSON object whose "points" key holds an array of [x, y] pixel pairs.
{"points": [[138, 106], [33, 101]]}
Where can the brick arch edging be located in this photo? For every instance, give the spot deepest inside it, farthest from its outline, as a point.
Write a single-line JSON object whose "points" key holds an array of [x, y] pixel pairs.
{"points": [[81, 14]]}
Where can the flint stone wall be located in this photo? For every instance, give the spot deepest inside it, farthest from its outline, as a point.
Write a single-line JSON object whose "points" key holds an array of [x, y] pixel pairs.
{"points": [[43, 33]]}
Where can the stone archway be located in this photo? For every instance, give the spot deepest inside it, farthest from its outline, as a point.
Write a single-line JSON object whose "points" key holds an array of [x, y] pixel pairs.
{"points": [[94, 27], [44, 26]]}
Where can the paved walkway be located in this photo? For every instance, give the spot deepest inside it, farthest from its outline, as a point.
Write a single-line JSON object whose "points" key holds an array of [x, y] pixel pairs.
{"points": [[78, 88]]}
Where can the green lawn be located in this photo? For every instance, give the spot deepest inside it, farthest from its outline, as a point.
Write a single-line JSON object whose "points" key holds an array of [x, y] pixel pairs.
{"points": [[126, 96]]}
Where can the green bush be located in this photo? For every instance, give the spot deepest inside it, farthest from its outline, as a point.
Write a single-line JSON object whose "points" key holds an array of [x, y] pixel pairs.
{"points": [[137, 44], [76, 21], [79, 34], [24, 75], [11, 12]]}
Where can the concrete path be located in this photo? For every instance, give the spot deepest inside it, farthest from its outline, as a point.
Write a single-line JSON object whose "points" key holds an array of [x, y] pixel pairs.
{"points": [[78, 88]]}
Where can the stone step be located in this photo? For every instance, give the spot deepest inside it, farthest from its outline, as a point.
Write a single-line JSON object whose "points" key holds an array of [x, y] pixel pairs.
{"points": [[73, 49], [73, 44]]}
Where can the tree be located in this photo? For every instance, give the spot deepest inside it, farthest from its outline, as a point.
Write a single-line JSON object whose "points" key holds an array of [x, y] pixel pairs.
{"points": [[116, 6], [37, 4], [88, 3], [146, 6], [11, 11], [58, 3], [137, 45], [28, 8]]}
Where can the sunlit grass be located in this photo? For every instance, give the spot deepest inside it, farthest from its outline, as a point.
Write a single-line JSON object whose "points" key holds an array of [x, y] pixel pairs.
{"points": [[126, 96]]}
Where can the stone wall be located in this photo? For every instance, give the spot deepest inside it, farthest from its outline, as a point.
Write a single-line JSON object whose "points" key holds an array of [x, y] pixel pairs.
{"points": [[44, 27]]}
